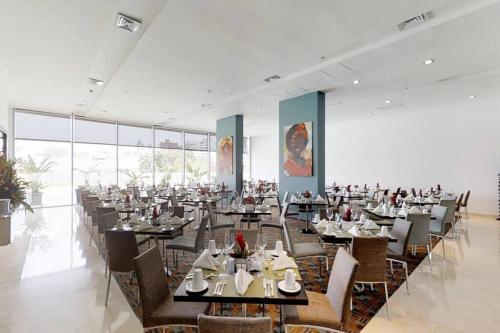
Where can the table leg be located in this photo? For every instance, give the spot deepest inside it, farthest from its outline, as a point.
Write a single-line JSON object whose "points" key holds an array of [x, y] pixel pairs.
{"points": [[307, 230], [281, 319]]}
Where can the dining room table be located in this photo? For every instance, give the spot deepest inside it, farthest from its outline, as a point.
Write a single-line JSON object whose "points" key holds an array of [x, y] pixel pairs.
{"points": [[387, 215], [262, 290], [344, 237], [308, 207]]}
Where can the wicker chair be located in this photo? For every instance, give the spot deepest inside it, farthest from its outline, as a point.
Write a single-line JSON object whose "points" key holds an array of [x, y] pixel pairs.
{"points": [[332, 310], [217, 324], [398, 251], [158, 307], [371, 253]]}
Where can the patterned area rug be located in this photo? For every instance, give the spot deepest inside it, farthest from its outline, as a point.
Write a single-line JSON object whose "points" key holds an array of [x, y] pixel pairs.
{"points": [[365, 304]]}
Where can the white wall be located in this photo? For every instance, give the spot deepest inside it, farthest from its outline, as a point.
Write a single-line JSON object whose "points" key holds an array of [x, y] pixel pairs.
{"points": [[264, 157], [456, 146]]}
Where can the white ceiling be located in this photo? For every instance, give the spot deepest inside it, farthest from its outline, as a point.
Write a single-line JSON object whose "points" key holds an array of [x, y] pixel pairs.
{"points": [[218, 52]]}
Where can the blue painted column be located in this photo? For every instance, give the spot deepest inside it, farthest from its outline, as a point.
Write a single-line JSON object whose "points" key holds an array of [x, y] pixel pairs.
{"points": [[232, 126], [306, 108]]}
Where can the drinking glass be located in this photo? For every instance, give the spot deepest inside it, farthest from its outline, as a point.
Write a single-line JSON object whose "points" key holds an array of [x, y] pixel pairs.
{"points": [[329, 214], [261, 242], [228, 241]]}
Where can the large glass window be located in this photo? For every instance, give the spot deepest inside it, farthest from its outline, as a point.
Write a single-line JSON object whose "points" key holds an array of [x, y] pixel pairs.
{"points": [[169, 166], [94, 165], [196, 141], [43, 151], [196, 167], [3, 143], [135, 166]]}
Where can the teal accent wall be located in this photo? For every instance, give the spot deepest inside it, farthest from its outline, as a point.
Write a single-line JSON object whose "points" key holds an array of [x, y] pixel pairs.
{"points": [[232, 126], [309, 107]]}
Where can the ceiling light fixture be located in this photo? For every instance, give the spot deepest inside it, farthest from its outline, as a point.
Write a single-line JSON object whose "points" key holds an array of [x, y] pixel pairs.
{"points": [[356, 82], [97, 82], [127, 23], [258, 110], [472, 96], [387, 101], [369, 114], [272, 78], [428, 61], [414, 21], [7, 70], [206, 106]]}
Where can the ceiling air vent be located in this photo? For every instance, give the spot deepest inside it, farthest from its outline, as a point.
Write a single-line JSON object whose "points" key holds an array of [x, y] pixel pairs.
{"points": [[414, 21], [97, 82], [272, 78], [127, 23]]}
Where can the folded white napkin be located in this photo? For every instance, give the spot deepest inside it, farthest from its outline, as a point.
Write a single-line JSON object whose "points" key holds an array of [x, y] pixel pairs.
{"points": [[242, 280], [403, 212], [282, 262], [370, 225], [134, 220], [293, 198], [403, 205], [354, 231], [207, 261], [322, 224], [429, 199], [414, 210], [347, 225], [409, 197], [378, 209], [176, 220], [319, 199]]}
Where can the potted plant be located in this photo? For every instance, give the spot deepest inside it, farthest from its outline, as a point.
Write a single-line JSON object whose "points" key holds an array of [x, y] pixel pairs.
{"points": [[35, 173], [12, 195]]}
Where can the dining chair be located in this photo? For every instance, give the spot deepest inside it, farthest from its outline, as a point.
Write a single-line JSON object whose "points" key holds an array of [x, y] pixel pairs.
{"points": [[175, 203], [218, 324], [289, 213], [437, 226], [100, 211], [121, 248], [458, 205], [305, 250], [158, 307], [419, 235], [398, 251], [413, 192], [465, 204], [371, 253], [450, 203], [89, 203], [213, 221], [92, 212], [281, 219], [193, 245], [330, 311]]}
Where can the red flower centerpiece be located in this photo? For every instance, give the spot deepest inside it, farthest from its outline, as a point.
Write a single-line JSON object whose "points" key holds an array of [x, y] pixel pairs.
{"points": [[249, 200], [240, 250], [347, 215], [155, 213], [307, 194], [394, 199]]}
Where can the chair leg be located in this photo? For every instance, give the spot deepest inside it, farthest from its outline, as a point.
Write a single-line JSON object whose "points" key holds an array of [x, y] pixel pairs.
{"points": [[392, 269], [386, 300], [444, 254], [429, 256], [107, 290], [106, 268], [91, 234], [406, 281]]}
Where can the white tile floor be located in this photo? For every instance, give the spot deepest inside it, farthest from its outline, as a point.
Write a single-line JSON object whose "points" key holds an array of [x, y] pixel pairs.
{"points": [[52, 281]]}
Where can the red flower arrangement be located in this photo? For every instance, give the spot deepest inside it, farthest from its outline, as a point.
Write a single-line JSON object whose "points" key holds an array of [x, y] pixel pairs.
{"points": [[249, 200], [240, 250], [127, 198], [307, 194], [347, 215], [394, 199]]}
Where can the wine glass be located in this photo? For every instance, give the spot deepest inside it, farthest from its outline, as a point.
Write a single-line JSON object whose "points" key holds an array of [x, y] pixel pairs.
{"points": [[329, 214], [261, 244], [228, 241]]}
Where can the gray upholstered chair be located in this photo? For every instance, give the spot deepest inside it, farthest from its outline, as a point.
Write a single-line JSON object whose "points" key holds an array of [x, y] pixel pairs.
{"points": [[437, 226], [121, 248], [100, 211], [281, 219], [331, 310], [175, 203], [92, 212], [217, 324], [419, 235], [158, 307], [289, 213], [398, 251], [371, 253], [449, 202], [465, 204], [214, 224], [193, 245], [305, 250]]}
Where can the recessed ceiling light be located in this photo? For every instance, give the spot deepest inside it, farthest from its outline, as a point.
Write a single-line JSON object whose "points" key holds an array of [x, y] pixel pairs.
{"points": [[97, 82], [472, 96], [387, 101], [356, 82], [206, 106], [369, 114], [258, 110], [127, 23], [428, 61], [7, 70]]}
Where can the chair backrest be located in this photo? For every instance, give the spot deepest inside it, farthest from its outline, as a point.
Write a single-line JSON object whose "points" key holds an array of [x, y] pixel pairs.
{"points": [[371, 253], [200, 234], [280, 206], [322, 213], [466, 200], [285, 197], [108, 220], [288, 238], [152, 280], [218, 324], [173, 199], [91, 208], [448, 202], [341, 282], [401, 231], [327, 198], [440, 212], [212, 217], [419, 234], [122, 248], [100, 211], [374, 202], [459, 203], [336, 203], [250, 236], [77, 196], [413, 192], [178, 211]]}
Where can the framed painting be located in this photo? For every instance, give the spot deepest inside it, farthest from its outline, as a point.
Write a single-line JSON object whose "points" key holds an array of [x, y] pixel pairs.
{"points": [[298, 150], [225, 155]]}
